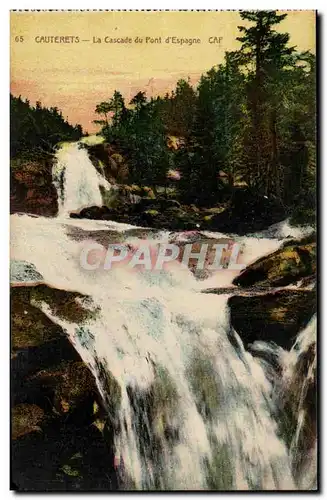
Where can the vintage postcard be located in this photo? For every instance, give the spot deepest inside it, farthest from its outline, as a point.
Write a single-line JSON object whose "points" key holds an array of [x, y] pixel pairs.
{"points": [[163, 251]]}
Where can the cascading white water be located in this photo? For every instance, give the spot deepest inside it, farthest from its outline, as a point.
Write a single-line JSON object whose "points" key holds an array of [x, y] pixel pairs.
{"points": [[168, 347], [76, 179], [194, 409], [299, 380]]}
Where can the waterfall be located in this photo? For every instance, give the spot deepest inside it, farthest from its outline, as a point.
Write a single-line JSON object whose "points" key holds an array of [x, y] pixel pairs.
{"points": [[76, 179], [188, 407]]}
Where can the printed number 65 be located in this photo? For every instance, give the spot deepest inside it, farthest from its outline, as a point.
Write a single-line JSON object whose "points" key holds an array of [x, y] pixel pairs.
{"points": [[19, 38]]}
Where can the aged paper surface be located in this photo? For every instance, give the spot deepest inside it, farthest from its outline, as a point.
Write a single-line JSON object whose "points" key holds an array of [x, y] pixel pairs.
{"points": [[163, 250]]}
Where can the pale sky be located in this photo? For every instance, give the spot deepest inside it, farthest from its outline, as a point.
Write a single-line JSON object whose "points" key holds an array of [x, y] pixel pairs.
{"points": [[77, 76]]}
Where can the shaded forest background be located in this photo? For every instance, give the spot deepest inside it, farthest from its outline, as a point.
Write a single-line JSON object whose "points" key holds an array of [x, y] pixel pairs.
{"points": [[250, 124], [36, 130]]}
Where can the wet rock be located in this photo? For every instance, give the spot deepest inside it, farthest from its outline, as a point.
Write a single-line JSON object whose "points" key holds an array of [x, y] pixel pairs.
{"points": [[155, 415], [94, 213], [41, 347], [23, 271], [68, 305], [55, 401], [298, 416], [111, 388], [30, 327], [172, 218], [276, 317], [287, 265], [108, 161], [139, 205], [158, 213]]}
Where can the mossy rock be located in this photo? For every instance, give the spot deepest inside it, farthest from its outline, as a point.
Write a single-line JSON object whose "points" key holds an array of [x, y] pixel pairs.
{"points": [[30, 327], [152, 213], [143, 191], [148, 192], [276, 317], [132, 188], [26, 418], [70, 306], [283, 267], [110, 197]]}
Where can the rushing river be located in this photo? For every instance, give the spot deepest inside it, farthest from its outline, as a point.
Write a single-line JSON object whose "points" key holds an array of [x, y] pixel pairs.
{"points": [[189, 407]]}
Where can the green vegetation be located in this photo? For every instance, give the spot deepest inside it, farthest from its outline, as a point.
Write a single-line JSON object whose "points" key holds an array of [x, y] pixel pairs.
{"points": [[251, 118], [35, 130]]}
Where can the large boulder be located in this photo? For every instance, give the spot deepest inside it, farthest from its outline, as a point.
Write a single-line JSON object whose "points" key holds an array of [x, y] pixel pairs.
{"points": [[38, 343], [94, 213], [287, 265], [276, 316], [56, 405]]}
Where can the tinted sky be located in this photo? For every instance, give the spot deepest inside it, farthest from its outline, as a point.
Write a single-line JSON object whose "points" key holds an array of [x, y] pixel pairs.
{"points": [[77, 76]]}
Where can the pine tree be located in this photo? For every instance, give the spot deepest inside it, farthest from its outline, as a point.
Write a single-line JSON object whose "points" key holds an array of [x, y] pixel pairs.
{"points": [[266, 56]]}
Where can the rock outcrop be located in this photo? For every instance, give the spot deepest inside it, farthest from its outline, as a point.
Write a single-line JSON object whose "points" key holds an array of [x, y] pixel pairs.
{"points": [[57, 410], [108, 161], [140, 206], [31, 187], [276, 317], [262, 309], [287, 265]]}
